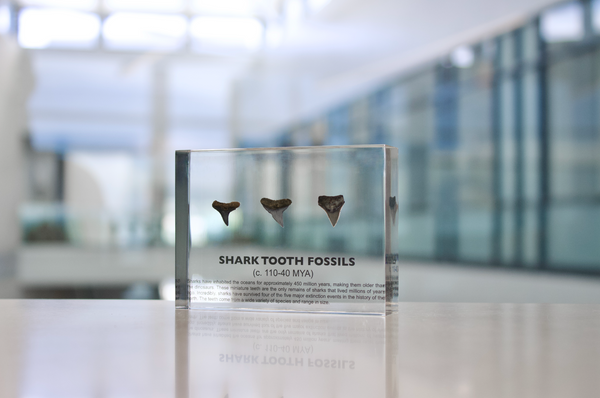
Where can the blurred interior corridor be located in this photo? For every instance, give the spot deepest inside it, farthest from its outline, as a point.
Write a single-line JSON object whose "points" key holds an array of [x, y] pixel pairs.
{"points": [[494, 107]]}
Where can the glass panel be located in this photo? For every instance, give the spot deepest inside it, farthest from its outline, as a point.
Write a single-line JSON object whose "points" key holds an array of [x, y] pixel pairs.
{"points": [[338, 127], [531, 165], [575, 184], [530, 43], [507, 51], [475, 171], [416, 118], [379, 117], [359, 122]]}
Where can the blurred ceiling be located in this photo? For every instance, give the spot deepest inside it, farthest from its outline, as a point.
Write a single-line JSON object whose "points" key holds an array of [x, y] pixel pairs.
{"points": [[353, 40], [311, 53]]}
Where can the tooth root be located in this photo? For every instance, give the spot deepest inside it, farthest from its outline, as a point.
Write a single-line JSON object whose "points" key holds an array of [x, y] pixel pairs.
{"points": [[332, 206], [224, 209], [276, 208]]}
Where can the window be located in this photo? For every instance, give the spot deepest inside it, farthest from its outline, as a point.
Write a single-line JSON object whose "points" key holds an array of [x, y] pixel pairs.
{"points": [[44, 27], [137, 31]]}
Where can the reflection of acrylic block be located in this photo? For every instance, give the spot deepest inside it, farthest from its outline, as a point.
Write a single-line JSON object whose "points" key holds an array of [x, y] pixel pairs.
{"points": [[285, 355], [310, 229]]}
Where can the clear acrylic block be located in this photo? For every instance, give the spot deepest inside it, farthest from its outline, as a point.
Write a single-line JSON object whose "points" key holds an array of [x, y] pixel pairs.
{"points": [[307, 229]]}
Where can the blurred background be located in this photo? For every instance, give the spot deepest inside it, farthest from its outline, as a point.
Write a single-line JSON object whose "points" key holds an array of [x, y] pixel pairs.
{"points": [[494, 106]]}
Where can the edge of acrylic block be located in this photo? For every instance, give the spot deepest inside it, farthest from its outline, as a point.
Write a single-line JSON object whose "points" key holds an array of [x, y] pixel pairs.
{"points": [[290, 148], [288, 311], [391, 228], [182, 227]]}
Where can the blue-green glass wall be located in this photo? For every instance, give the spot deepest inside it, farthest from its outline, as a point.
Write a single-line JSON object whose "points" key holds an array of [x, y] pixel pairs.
{"points": [[499, 156]]}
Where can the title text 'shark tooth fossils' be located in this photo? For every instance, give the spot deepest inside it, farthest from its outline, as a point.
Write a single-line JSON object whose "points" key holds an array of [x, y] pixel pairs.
{"points": [[224, 209], [332, 206], [276, 208]]}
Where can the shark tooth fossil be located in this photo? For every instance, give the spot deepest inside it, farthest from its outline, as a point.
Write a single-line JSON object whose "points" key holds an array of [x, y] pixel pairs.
{"points": [[276, 208], [393, 207], [224, 209], [332, 206]]}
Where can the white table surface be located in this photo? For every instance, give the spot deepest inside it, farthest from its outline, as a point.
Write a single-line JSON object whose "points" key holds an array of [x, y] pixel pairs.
{"points": [[77, 348]]}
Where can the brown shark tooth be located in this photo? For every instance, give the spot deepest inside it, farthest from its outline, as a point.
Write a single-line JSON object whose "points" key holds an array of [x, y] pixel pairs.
{"points": [[276, 208], [393, 207], [332, 206], [224, 209]]}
